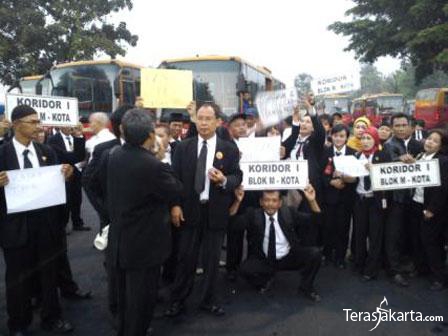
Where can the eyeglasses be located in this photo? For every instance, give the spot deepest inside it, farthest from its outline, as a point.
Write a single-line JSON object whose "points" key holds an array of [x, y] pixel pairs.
{"points": [[31, 122]]}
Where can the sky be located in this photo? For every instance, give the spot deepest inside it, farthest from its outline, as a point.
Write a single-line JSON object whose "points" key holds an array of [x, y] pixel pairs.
{"points": [[288, 37]]}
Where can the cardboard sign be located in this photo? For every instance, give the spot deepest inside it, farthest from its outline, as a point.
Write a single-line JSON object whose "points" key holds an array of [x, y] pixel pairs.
{"points": [[349, 165], [259, 149], [280, 175], [398, 175], [274, 106], [336, 84], [161, 88], [34, 188], [53, 111]]}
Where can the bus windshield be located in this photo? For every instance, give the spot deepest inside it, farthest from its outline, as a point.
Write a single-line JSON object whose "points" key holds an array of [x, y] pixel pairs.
{"points": [[339, 105], [93, 85], [213, 81], [390, 104], [429, 95]]}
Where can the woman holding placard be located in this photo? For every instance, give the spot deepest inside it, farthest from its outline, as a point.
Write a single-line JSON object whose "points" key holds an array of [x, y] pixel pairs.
{"points": [[428, 211], [369, 209]]}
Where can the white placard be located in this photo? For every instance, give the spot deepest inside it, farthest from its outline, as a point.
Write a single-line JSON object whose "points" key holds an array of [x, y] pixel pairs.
{"points": [[398, 175], [259, 149], [34, 188], [281, 175], [349, 165], [336, 84], [274, 106], [52, 111]]}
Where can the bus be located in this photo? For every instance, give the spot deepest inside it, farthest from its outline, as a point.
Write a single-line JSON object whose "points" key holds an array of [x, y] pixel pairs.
{"points": [[100, 86], [223, 80], [378, 106], [338, 104], [431, 105]]}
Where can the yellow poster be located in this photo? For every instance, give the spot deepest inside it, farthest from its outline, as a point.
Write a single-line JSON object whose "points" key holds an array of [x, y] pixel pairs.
{"points": [[161, 88]]}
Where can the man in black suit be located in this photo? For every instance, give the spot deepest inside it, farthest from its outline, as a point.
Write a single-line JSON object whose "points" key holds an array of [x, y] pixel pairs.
{"points": [[70, 148], [419, 133], [209, 169], [139, 188], [274, 243], [400, 147], [29, 239]]}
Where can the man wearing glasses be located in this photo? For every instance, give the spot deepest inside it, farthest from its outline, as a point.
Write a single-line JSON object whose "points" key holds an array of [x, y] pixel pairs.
{"points": [[29, 239]]}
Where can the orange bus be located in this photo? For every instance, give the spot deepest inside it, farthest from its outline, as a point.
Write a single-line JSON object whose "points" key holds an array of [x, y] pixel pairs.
{"points": [[431, 105], [378, 106], [338, 104]]}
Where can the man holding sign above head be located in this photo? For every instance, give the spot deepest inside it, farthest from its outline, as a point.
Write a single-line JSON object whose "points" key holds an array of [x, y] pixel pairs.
{"points": [[209, 169], [29, 238]]}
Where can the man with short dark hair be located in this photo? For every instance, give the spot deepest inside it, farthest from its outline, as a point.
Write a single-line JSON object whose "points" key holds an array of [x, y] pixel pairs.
{"points": [[30, 239], [139, 188], [401, 147], [274, 245], [209, 169]]}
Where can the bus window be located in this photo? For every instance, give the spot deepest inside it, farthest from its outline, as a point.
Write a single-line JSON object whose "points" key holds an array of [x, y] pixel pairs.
{"points": [[128, 92]]}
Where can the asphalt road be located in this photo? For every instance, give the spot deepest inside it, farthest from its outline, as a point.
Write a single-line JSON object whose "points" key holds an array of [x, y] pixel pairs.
{"points": [[280, 312]]}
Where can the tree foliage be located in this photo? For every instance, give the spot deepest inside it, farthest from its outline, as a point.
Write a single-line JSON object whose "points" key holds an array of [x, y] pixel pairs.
{"points": [[302, 82], [414, 30], [35, 34]]}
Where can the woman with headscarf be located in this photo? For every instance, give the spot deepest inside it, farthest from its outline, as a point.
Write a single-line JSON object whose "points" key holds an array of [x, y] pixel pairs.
{"points": [[359, 126]]}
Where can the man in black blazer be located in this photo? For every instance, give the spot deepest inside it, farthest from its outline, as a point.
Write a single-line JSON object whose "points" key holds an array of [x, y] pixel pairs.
{"points": [[70, 148], [209, 169], [30, 240], [139, 188], [274, 243]]}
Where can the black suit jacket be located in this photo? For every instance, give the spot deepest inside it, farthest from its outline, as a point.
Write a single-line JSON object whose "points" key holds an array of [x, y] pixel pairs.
{"points": [[184, 165], [331, 194], [139, 189], [64, 156], [13, 227], [292, 222]]}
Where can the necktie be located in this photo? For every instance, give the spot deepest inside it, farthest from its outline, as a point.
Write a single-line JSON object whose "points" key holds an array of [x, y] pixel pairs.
{"points": [[271, 247], [299, 150], [338, 153], [199, 179], [26, 161], [367, 181], [70, 144]]}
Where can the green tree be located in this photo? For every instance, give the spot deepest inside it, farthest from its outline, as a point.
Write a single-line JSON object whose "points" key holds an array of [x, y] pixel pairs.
{"points": [[415, 30], [302, 82], [35, 34], [371, 79]]}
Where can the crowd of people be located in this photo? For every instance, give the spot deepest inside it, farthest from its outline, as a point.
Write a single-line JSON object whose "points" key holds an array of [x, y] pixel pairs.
{"points": [[169, 201]]}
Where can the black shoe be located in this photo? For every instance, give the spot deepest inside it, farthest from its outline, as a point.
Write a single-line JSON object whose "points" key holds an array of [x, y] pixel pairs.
{"points": [[58, 326], [18, 333], [310, 294], [213, 309], [78, 295], [437, 286], [400, 280], [341, 265], [176, 309], [267, 286], [367, 278], [232, 276], [81, 228]]}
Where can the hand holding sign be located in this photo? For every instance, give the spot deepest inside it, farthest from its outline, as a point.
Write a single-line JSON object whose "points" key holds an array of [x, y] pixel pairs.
{"points": [[67, 171], [3, 179]]}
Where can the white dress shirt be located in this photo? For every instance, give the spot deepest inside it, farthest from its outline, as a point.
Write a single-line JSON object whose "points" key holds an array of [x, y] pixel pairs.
{"points": [[419, 195], [342, 150], [282, 246], [67, 140], [300, 141], [32, 155], [211, 148], [360, 187], [102, 136]]}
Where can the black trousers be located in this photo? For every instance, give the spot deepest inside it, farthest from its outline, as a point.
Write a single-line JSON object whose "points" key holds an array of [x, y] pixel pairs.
{"points": [[190, 242], [415, 227], [395, 235], [235, 244], [37, 258], [64, 272], [257, 271], [170, 265], [368, 220], [74, 200], [337, 230], [431, 233], [137, 297]]}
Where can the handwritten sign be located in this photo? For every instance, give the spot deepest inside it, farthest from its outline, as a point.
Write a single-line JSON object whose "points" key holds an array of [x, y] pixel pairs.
{"points": [[350, 165], [259, 149], [281, 175], [34, 188], [397, 175], [161, 88], [52, 111], [274, 106]]}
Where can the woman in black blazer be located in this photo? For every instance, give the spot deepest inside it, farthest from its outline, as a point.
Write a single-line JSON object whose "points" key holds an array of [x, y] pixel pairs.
{"points": [[429, 212]]}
